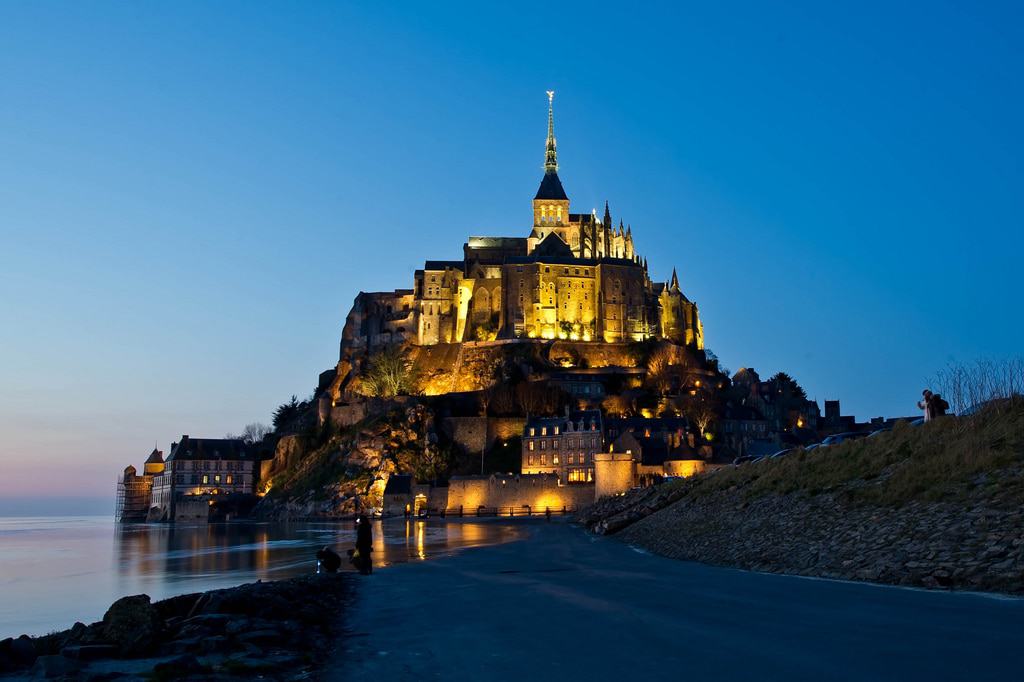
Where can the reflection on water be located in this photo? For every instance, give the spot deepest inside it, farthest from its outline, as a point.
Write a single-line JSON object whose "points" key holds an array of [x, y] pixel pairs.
{"points": [[59, 570]]}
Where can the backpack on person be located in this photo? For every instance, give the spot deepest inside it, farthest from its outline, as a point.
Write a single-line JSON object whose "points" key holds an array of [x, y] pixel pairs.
{"points": [[939, 406]]}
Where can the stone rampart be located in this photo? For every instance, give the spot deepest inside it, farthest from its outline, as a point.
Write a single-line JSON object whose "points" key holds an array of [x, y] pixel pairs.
{"points": [[536, 491]]}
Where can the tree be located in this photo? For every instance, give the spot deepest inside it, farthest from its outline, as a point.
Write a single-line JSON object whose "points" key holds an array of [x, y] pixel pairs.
{"points": [[288, 412], [786, 386], [618, 406], [255, 432], [390, 373]]}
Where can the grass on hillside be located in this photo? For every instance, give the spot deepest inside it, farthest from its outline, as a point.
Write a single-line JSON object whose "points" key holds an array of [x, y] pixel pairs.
{"points": [[950, 459]]}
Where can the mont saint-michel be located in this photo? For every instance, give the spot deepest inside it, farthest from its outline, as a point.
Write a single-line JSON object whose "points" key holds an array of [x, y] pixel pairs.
{"points": [[573, 276], [506, 341]]}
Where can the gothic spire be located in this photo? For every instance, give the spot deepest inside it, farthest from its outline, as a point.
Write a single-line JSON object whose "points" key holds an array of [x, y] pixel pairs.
{"points": [[607, 215], [675, 280], [550, 154]]}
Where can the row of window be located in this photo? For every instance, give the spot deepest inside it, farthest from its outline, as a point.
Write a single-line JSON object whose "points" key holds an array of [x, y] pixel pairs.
{"points": [[571, 458], [570, 443], [212, 465], [581, 475], [580, 426], [207, 479]]}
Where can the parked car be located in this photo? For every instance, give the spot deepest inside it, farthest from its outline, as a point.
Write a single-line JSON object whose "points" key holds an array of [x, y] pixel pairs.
{"points": [[780, 453], [917, 422], [838, 438], [812, 446], [743, 460], [878, 432]]}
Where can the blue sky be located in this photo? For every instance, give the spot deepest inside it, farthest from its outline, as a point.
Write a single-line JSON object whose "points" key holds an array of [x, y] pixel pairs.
{"points": [[191, 195]]}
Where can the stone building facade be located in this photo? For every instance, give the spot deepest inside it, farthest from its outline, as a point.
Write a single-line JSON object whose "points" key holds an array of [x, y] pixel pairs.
{"points": [[135, 491], [197, 472], [575, 276], [563, 446]]}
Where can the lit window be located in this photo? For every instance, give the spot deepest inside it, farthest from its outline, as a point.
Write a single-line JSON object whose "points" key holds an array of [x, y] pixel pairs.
{"points": [[543, 460], [531, 446], [206, 478], [554, 444], [544, 431], [554, 458], [533, 431], [543, 445], [216, 478], [556, 430]]}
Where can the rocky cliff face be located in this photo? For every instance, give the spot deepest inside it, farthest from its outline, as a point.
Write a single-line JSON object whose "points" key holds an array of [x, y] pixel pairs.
{"points": [[938, 506], [344, 473]]}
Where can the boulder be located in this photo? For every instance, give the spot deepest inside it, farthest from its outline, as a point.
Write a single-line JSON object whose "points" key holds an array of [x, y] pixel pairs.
{"points": [[181, 666], [89, 652], [55, 666], [133, 624], [21, 650]]}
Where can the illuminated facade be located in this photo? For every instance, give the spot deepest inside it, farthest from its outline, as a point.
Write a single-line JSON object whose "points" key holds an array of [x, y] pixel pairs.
{"points": [[563, 446], [198, 471], [575, 276], [135, 491]]}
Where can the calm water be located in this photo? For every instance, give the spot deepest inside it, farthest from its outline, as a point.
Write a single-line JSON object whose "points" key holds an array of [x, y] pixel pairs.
{"points": [[58, 570]]}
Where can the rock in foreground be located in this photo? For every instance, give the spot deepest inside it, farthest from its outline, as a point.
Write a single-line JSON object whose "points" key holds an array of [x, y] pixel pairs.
{"points": [[275, 630]]}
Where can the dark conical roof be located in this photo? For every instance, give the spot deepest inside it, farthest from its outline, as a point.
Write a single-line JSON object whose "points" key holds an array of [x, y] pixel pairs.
{"points": [[551, 188], [155, 457]]}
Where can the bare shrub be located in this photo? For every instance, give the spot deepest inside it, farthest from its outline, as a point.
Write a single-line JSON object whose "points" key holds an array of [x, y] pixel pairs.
{"points": [[972, 385]]}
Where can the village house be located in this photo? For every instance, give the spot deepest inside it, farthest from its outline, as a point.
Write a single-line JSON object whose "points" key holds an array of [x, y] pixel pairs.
{"points": [[198, 472], [564, 446]]}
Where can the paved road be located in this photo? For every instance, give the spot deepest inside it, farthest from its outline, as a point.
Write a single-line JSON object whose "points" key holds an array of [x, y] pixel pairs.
{"points": [[564, 605]]}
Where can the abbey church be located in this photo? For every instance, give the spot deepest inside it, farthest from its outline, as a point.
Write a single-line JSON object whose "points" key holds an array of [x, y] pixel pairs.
{"points": [[576, 276]]}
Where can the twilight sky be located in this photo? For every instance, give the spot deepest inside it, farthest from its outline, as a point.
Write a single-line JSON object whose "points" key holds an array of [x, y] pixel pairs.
{"points": [[191, 195]]}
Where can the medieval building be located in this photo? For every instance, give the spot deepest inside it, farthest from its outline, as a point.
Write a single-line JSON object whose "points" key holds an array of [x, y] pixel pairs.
{"points": [[575, 276], [135, 491]]}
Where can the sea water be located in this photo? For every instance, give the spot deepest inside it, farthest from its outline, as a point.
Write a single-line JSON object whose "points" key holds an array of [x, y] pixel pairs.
{"points": [[58, 570]]}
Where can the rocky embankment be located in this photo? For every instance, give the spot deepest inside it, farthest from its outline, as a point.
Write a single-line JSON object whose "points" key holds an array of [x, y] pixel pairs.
{"points": [[278, 630], [939, 506], [344, 473]]}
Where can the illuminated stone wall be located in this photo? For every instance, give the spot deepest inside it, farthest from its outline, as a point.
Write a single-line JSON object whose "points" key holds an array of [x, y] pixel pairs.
{"points": [[537, 491], [475, 433], [685, 467], [614, 473]]}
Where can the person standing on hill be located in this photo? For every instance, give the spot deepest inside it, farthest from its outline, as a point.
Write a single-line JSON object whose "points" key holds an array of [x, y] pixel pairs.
{"points": [[926, 405]]}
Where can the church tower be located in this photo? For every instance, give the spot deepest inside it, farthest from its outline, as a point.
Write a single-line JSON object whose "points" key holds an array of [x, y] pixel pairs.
{"points": [[551, 205]]}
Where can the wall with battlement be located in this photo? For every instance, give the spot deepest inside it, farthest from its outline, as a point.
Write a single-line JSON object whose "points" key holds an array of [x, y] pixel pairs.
{"points": [[537, 491]]}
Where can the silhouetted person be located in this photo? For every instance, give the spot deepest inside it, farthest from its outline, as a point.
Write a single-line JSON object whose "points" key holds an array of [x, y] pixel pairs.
{"points": [[926, 405], [329, 560], [364, 545]]}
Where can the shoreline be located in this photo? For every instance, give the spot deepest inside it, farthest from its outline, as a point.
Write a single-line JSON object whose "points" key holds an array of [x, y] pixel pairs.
{"points": [[283, 629]]}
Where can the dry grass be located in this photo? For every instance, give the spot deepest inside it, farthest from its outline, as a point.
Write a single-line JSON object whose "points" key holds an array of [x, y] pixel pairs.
{"points": [[951, 459]]}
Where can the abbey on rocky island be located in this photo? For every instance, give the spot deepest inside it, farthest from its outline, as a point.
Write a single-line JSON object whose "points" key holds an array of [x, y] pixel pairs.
{"points": [[575, 277]]}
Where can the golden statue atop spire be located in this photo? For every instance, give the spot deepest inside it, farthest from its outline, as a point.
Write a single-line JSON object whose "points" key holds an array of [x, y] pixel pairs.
{"points": [[550, 155]]}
